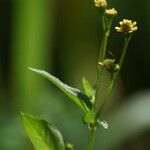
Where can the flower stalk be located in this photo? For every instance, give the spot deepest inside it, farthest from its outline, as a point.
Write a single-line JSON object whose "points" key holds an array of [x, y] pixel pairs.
{"points": [[127, 27], [107, 23], [114, 77], [100, 69]]}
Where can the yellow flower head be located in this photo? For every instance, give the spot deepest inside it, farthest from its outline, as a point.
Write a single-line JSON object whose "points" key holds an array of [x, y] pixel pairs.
{"points": [[100, 3], [111, 12], [127, 26]]}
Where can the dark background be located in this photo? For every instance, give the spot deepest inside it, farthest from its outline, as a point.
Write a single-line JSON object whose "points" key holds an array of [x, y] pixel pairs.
{"points": [[63, 37]]}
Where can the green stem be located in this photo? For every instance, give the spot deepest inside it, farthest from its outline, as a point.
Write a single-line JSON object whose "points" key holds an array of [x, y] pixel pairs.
{"points": [[101, 59], [107, 94], [100, 69], [103, 22], [127, 39], [114, 77], [91, 138]]}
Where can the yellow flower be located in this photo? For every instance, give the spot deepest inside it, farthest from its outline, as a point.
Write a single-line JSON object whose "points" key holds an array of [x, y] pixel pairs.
{"points": [[127, 26], [111, 12], [100, 3]]}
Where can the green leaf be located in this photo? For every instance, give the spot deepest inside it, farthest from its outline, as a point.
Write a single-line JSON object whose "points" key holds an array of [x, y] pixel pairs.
{"points": [[42, 134], [76, 95], [88, 89]]}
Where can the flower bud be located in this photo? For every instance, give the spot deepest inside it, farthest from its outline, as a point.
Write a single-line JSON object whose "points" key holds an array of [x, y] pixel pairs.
{"points": [[110, 12], [109, 65], [100, 3]]}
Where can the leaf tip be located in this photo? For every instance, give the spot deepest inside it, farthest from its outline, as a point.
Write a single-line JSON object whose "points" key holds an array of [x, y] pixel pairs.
{"points": [[24, 115], [83, 79], [32, 69]]}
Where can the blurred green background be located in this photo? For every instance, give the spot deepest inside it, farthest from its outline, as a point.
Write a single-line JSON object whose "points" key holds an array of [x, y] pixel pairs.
{"points": [[63, 37]]}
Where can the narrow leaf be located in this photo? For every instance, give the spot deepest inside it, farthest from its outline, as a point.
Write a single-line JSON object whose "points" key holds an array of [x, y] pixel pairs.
{"points": [[42, 134], [88, 89], [76, 95]]}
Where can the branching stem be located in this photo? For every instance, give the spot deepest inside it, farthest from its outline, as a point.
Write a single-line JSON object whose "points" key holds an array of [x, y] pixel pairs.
{"points": [[114, 77], [102, 56]]}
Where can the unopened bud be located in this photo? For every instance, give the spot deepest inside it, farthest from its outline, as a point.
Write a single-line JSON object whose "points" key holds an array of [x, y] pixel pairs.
{"points": [[110, 12], [100, 3], [109, 65]]}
